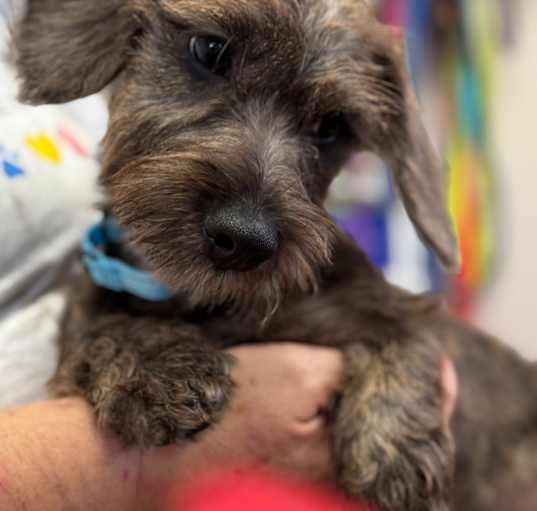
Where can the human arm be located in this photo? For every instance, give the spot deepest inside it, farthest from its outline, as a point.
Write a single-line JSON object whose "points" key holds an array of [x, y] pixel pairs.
{"points": [[53, 457]]}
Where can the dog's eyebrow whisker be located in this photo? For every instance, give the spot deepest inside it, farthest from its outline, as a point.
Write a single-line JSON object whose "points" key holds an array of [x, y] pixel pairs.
{"points": [[242, 63]]}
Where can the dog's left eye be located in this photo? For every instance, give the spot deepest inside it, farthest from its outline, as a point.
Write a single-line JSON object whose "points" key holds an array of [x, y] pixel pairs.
{"points": [[211, 52]]}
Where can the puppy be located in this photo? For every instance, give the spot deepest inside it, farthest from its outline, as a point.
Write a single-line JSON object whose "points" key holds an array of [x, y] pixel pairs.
{"points": [[228, 121]]}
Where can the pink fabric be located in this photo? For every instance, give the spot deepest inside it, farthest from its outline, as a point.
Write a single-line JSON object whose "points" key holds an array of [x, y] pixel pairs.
{"points": [[259, 492]]}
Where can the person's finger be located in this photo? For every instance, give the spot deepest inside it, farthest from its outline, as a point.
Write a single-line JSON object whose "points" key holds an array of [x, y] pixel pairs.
{"points": [[451, 388], [321, 378], [323, 367]]}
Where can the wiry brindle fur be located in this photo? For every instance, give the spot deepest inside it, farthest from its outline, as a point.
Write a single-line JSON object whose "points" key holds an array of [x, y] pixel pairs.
{"points": [[252, 145]]}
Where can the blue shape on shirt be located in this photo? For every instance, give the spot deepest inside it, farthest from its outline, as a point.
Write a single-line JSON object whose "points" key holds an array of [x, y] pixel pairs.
{"points": [[12, 170]]}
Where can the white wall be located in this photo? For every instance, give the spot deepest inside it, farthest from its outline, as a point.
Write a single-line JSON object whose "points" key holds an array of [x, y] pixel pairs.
{"points": [[510, 310]]}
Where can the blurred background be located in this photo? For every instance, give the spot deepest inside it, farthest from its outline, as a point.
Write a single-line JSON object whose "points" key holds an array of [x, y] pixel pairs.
{"points": [[475, 67]]}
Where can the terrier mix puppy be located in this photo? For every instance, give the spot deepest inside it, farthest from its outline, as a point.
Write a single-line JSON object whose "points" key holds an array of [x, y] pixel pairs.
{"points": [[228, 121]]}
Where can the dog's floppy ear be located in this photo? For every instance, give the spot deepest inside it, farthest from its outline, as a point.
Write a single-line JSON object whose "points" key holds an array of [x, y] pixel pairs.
{"points": [[68, 49], [401, 139]]}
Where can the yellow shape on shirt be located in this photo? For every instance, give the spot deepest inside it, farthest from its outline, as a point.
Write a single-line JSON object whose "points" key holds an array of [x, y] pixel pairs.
{"points": [[42, 145]]}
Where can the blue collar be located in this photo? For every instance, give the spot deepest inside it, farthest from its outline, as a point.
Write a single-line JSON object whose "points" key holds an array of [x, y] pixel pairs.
{"points": [[114, 274]]}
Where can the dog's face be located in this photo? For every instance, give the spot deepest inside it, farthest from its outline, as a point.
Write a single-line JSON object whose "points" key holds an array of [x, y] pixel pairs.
{"points": [[228, 121]]}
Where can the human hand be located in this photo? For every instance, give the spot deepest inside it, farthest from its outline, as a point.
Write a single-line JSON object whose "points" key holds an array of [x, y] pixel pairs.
{"points": [[450, 383], [275, 420]]}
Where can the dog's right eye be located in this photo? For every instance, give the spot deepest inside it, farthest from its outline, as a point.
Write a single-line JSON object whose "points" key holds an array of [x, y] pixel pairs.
{"points": [[212, 53]]}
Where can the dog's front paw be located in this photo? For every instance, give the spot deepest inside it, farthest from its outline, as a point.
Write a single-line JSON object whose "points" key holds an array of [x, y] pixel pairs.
{"points": [[174, 396], [405, 475], [392, 444]]}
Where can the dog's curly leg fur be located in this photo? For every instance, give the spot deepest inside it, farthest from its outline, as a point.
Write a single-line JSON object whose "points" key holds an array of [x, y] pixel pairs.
{"points": [[390, 442], [151, 382]]}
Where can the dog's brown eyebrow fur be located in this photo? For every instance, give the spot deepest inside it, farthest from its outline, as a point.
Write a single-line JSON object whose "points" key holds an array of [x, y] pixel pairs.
{"points": [[233, 16]]}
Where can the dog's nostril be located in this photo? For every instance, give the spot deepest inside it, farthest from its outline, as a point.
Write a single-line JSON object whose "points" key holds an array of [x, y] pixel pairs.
{"points": [[223, 243], [240, 237]]}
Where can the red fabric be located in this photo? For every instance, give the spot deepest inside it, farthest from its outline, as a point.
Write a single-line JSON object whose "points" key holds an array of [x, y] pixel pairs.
{"points": [[257, 492]]}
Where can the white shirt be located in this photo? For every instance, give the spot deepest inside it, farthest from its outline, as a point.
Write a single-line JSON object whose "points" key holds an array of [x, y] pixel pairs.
{"points": [[48, 193]]}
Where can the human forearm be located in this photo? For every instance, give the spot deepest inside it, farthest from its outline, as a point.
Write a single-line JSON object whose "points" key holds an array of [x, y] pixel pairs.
{"points": [[52, 457]]}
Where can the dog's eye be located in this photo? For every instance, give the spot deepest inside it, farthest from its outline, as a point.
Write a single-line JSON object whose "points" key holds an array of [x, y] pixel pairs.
{"points": [[331, 128], [211, 52]]}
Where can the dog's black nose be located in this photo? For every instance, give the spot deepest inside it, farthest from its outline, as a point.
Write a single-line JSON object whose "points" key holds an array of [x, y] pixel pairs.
{"points": [[240, 237]]}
